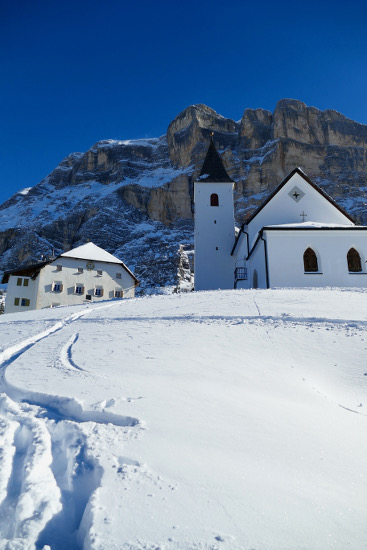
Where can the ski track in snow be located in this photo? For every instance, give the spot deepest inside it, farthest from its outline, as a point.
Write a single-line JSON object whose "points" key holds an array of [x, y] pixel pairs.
{"points": [[48, 474], [66, 355]]}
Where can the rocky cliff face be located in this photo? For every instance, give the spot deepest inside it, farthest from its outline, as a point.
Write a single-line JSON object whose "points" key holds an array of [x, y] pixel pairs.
{"points": [[135, 198]]}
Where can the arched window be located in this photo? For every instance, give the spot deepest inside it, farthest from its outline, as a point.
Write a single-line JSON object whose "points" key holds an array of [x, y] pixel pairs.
{"points": [[214, 200], [354, 261], [310, 261]]}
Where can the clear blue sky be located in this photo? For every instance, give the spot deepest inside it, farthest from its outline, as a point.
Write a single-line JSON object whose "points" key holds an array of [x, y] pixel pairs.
{"points": [[77, 71]]}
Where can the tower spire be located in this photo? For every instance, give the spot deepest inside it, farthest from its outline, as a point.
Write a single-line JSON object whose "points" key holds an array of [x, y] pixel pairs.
{"points": [[213, 170]]}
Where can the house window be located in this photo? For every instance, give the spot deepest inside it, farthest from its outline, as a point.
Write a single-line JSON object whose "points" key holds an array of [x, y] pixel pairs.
{"points": [[88, 296], [310, 261], [25, 282], [19, 282], [57, 287], [80, 270], [118, 275], [59, 268], [79, 289], [16, 301], [98, 291], [99, 272], [118, 293], [214, 199], [354, 261], [25, 302]]}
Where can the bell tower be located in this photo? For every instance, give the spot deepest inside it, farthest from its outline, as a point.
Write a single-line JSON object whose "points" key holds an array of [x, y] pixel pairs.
{"points": [[214, 224]]}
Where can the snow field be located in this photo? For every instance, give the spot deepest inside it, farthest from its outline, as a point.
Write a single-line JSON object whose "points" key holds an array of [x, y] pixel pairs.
{"points": [[207, 420]]}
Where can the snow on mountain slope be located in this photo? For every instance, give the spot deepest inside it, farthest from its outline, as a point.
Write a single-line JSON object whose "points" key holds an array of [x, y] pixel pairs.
{"points": [[211, 420]]}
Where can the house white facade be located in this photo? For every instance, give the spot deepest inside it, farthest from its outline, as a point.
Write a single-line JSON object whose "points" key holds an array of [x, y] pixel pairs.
{"points": [[85, 274], [298, 237]]}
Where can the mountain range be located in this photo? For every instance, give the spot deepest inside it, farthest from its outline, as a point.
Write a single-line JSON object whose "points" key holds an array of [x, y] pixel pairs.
{"points": [[135, 197]]}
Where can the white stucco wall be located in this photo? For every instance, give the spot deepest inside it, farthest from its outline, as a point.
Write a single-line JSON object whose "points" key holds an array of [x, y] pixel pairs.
{"points": [[69, 277], [19, 293], [240, 255], [284, 209], [214, 236], [285, 257], [41, 295]]}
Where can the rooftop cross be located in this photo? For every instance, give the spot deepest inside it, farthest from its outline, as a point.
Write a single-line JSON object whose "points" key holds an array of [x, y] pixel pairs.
{"points": [[304, 215]]}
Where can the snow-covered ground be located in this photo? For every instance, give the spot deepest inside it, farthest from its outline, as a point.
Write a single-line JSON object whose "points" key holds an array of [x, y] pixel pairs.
{"points": [[211, 420]]}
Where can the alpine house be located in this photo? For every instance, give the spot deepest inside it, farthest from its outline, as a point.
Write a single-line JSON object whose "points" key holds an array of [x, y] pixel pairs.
{"points": [[85, 274]]}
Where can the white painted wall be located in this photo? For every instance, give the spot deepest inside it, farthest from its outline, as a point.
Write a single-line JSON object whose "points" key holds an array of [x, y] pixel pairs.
{"points": [[69, 277], [214, 236], [19, 293], [283, 209], [41, 294], [285, 257]]}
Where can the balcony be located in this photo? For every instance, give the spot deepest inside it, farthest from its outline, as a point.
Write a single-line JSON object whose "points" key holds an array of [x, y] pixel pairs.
{"points": [[240, 274]]}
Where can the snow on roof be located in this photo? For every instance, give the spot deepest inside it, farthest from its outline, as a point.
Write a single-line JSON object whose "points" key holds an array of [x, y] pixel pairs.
{"points": [[24, 191], [311, 225], [91, 251]]}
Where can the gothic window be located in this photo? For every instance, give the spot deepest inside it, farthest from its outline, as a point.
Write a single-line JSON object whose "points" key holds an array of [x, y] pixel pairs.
{"points": [[310, 261], [354, 261], [214, 199]]}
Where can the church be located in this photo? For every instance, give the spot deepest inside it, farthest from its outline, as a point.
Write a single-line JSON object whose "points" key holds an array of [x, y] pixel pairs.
{"points": [[298, 237]]}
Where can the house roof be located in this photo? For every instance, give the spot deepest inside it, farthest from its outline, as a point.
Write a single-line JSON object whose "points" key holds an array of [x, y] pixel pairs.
{"points": [[91, 251], [88, 251], [29, 271], [282, 184], [213, 170]]}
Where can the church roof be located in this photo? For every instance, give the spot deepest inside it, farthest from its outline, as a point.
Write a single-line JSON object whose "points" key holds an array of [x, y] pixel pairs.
{"points": [[282, 184], [213, 170], [295, 226]]}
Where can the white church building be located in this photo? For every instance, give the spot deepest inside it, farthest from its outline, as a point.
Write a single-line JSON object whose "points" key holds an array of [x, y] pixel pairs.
{"points": [[85, 274], [298, 237]]}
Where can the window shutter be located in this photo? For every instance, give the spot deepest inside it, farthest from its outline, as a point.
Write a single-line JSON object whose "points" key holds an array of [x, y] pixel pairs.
{"points": [[61, 288], [82, 289], [101, 291]]}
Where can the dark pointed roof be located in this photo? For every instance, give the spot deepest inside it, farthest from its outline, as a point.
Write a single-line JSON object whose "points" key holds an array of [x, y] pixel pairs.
{"points": [[213, 170]]}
